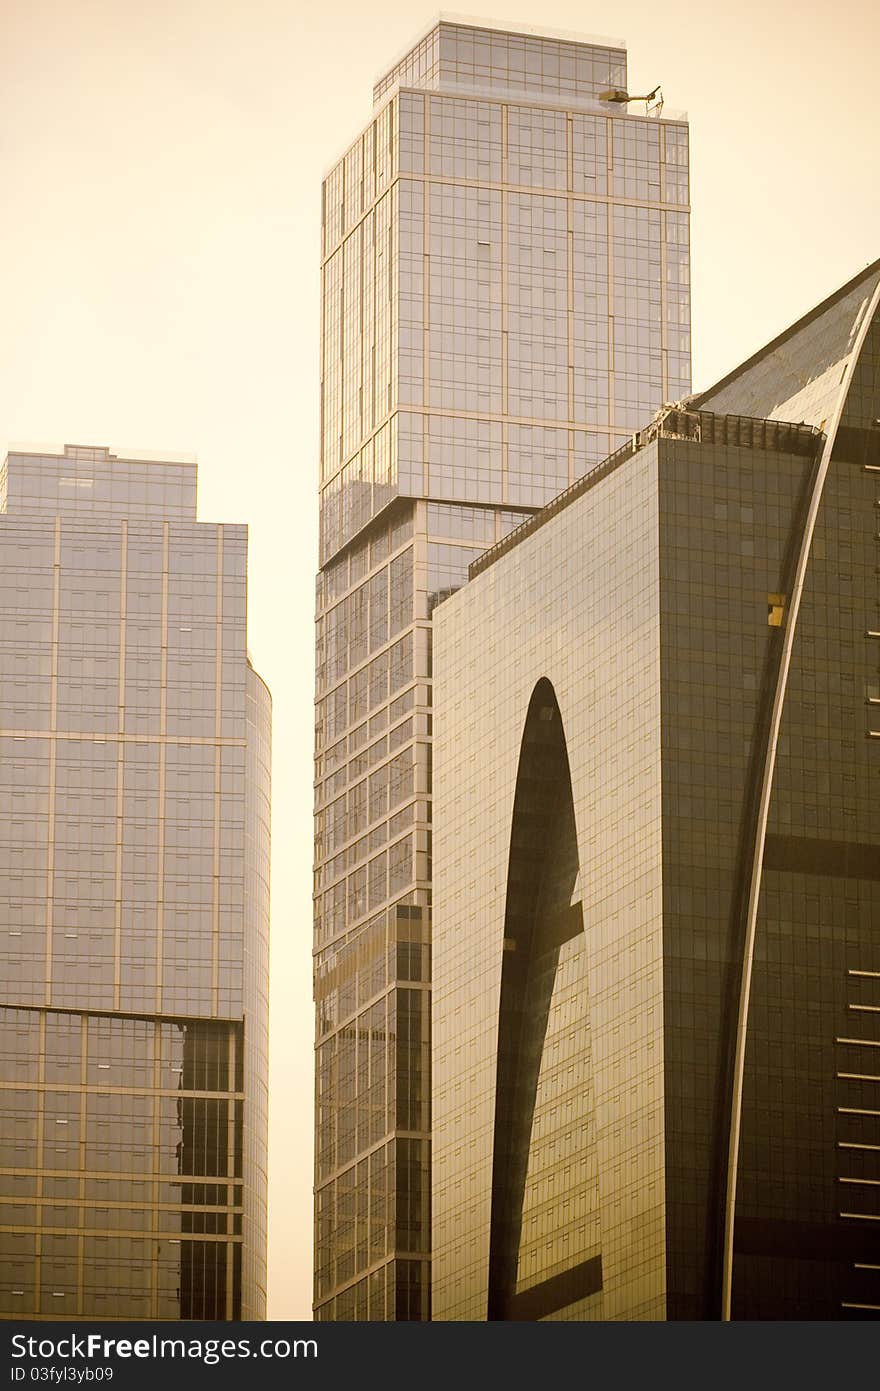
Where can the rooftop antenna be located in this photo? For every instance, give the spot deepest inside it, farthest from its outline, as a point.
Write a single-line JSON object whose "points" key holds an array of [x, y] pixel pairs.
{"points": [[616, 94]]}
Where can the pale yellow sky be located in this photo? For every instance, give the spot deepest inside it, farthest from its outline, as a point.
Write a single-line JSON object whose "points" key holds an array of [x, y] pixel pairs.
{"points": [[160, 165]]}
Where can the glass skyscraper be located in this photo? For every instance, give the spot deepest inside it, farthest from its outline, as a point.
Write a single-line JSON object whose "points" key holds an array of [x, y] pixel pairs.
{"points": [[134, 858], [657, 867], [505, 298]]}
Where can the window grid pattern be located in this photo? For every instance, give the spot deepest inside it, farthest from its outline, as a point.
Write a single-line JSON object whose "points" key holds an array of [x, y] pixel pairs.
{"points": [[520, 265], [471, 316], [665, 682], [134, 857], [463, 55], [122, 1164]]}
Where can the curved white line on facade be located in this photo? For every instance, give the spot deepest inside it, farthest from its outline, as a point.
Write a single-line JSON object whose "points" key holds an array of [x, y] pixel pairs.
{"points": [[764, 806]]}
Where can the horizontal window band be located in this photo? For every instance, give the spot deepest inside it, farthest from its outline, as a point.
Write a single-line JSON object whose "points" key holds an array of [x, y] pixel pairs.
{"points": [[129, 1175], [102, 1204], [497, 186], [115, 1234], [833, 858], [561, 927], [84, 737], [807, 1241], [858, 444], [556, 1293], [79, 1089], [149, 1018]]}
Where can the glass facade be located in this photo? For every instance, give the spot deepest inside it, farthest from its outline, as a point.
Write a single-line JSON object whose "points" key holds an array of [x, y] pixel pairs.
{"points": [[505, 293], [134, 857], [656, 970]]}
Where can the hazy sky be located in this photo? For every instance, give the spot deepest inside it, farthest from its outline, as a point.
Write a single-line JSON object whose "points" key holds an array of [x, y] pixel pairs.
{"points": [[160, 162]]}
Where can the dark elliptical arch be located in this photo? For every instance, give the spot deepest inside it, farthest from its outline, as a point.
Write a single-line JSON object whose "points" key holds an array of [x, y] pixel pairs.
{"points": [[539, 918]]}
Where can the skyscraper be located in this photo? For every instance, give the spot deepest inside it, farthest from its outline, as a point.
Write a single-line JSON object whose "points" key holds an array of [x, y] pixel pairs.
{"points": [[504, 300], [657, 867], [134, 853]]}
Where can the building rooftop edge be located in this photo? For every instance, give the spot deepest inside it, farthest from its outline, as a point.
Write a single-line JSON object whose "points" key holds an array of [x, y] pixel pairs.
{"points": [[498, 26], [697, 399], [535, 31], [518, 96], [127, 454], [521, 96], [681, 421]]}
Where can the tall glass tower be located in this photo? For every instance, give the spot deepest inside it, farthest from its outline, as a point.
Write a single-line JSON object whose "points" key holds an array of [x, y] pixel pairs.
{"points": [[134, 854], [505, 299]]}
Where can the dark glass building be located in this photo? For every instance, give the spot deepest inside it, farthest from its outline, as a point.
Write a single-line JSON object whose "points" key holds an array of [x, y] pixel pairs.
{"points": [[657, 867], [134, 857], [505, 298]]}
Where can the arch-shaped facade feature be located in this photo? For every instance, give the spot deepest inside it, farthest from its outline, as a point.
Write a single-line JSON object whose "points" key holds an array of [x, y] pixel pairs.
{"points": [[543, 992], [706, 606]]}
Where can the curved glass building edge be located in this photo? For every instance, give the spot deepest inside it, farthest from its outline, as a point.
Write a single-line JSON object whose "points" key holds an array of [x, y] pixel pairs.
{"points": [[847, 414], [667, 664]]}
